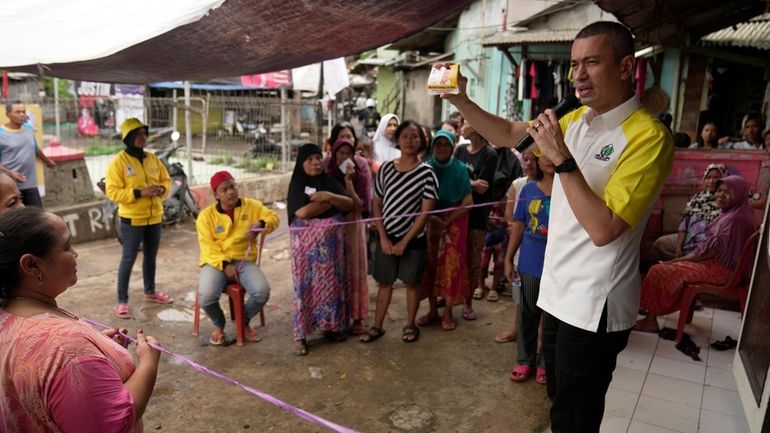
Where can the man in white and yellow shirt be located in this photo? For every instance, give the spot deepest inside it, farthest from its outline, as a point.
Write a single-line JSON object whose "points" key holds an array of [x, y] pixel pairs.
{"points": [[611, 157], [227, 232]]}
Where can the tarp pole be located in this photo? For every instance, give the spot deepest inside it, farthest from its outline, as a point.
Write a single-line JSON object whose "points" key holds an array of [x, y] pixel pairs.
{"points": [[174, 113], [57, 120], [188, 130], [284, 126]]}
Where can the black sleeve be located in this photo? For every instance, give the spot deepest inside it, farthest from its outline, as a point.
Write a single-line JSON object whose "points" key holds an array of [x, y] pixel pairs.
{"points": [[333, 186], [488, 166]]}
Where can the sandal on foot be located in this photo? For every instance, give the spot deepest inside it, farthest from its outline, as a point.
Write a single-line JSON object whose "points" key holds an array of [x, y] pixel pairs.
{"points": [[468, 314], [123, 311], [521, 373], [448, 324], [493, 296], [300, 348], [372, 334], [478, 293], [217, 338], [506, 337], [159, 298], [411, 334], [252, 335], [540, 376], [427, 320]]}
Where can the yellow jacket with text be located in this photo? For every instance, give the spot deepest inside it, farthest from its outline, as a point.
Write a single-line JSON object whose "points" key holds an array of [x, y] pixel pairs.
{"points": [[224, 240], [125, 174]]}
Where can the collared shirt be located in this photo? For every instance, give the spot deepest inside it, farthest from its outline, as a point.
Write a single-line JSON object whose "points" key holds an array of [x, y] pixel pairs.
{"points": [[625, 156]]}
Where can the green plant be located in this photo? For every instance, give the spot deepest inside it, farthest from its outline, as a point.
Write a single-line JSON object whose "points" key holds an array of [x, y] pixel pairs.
{"points": [[103, 149]]}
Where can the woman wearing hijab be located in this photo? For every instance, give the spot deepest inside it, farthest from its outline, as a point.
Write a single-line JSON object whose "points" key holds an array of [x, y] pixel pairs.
{"points": [[384, 145], [138, 182], [712, 261], [445, 274], [358, 184], [315, 204], [700, 211]]}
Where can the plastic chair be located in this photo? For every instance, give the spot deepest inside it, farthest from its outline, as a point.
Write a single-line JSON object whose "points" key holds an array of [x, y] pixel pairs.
{"points": [[236, 297], [735, 289]]}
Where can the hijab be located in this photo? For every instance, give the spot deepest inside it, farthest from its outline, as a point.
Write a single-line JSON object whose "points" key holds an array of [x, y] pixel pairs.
{"points": [[454, 183], [130, 148], [383, 147], [362, 178], [729, 232], [702, 203], [301, 183]]}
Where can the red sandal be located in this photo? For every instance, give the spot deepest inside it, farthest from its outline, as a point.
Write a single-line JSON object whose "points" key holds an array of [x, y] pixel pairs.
{"points": [[521, 373], [540, 376]]}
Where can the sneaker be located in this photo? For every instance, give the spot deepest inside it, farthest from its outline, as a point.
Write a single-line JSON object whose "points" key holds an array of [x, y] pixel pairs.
{"points": [[123, 311], [159, 298]]}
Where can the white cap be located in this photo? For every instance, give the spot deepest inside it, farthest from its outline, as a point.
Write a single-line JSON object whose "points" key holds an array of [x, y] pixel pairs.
{"points": [[370, 102]]}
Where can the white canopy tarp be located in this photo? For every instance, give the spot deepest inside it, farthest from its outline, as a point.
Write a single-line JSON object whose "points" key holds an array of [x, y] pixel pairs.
{"points": [[45, 31]]}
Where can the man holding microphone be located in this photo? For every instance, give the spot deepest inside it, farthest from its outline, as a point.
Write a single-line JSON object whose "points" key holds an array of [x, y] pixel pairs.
{"points": [[612, 157]]}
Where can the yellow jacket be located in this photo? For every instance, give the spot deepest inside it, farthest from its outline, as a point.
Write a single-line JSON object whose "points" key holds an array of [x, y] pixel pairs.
{"points": [[126, 174], [223, 240]]}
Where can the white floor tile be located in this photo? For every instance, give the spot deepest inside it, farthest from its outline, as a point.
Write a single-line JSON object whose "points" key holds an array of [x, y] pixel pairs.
{"points": [[726, 315], [706, 312], [666, 414], [679, 369], [712, 422], [722, 328], [613, 424], [642, 427], [720, 377], [619, 403], [720, 359], [675, 390], [628, 379], [722, 401], [635, 360], [642, 341]]}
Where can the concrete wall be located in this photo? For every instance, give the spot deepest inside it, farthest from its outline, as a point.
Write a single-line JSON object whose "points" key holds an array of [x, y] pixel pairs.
{"points": [[418, 104], [86, 221]]}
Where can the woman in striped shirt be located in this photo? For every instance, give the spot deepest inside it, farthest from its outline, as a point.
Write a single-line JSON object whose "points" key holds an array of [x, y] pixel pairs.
{"points": [[403, 187]]}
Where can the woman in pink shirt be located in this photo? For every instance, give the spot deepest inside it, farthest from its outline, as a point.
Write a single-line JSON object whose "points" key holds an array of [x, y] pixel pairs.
{"points": [[57, 373]]}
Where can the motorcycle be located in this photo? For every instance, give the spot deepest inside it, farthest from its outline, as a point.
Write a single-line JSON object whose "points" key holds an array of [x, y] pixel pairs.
{"points": [[177, 206]]}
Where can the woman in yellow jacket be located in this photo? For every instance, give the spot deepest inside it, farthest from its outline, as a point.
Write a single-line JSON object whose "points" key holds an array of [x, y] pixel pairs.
{"points": [[225, 231], [138, 181]]}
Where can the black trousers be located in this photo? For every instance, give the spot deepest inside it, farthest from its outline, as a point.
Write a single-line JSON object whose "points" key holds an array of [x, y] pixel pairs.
{"points": [[31, 197], [579, 366]]}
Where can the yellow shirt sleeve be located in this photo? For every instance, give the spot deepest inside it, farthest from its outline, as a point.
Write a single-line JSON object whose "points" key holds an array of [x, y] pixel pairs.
{"points": [[643, 167]]}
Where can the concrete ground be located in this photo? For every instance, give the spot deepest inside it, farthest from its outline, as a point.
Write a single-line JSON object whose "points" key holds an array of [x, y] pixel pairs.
{"points": [[446, 382]]}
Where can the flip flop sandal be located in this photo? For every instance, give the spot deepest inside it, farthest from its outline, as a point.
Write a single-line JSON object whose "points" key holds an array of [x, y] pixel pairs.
{"points": [[252, 335], [123, 311], [427, 320], [540, 376], [448, 325], [478, 293], [468, 314], [493, 296], [521, 373], [410, 334], [159, 298], [218, 341], [505, 338], [300, 348], [368, 336]]}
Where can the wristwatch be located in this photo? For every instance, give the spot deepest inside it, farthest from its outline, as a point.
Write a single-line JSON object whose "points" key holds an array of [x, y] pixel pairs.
{"points": [[567, 166]]}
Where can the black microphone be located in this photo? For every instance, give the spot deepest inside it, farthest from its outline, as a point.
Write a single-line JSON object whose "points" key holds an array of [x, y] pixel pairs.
{"points": [[569, 103]]}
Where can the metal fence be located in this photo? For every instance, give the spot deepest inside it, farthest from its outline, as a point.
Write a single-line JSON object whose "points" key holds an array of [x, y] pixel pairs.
{"points": [[247, 136]]}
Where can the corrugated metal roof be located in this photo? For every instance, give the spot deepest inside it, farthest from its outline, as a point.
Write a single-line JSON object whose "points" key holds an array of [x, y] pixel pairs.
{"points": [[755, 34], [512, 37]]}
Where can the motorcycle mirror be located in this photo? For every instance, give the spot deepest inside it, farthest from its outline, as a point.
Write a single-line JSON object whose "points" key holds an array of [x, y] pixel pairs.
{"points": [[175, 136]]}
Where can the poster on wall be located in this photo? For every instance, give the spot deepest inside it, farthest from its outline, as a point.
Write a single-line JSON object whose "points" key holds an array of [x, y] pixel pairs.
{"points": [[103, 106]]}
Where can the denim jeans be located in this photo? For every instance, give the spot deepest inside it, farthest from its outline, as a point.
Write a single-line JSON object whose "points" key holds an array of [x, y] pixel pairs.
{"points": [[213, 281], [579, 366], [133, 236]]}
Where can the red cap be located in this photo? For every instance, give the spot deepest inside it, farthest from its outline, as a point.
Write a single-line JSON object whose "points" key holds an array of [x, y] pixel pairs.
{"points": [[218, 178]]}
